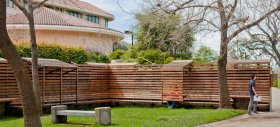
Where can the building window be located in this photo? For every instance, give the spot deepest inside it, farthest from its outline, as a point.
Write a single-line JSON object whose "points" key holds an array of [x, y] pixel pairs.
{"points": [[89, 18], [76, 14], [9, 3], [106, 22], [94, 19]]}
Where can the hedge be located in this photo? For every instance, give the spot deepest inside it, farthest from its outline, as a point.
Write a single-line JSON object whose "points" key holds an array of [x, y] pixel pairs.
{"points": [[151, 56], [116, 54], [97, 57], [53, 51]]}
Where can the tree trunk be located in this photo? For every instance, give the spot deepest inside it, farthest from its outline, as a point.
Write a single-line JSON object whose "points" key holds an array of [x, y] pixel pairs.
{"points": [[34, 50], [222, 64], [174, 52], [30, 112]]}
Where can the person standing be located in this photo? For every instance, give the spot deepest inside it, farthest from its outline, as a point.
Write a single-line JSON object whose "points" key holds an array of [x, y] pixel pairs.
{"points": [[173, 95], [252, 91]]}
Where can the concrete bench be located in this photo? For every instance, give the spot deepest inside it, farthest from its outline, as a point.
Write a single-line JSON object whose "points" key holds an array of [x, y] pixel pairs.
{"points": [[102, 115]]}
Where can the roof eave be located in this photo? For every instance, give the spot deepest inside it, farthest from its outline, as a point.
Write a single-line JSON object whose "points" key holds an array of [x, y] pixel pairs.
{"points": [[110, 17], [69, 28]]}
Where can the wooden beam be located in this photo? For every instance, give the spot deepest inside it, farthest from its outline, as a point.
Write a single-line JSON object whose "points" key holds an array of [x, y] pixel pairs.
{"points": [[69, 71]]}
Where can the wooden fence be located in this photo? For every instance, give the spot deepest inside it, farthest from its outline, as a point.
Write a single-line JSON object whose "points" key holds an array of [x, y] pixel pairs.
{"points": [[102, 83]]}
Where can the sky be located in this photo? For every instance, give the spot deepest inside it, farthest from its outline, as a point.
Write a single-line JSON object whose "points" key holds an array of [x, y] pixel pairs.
{"points": [[124, 21]]}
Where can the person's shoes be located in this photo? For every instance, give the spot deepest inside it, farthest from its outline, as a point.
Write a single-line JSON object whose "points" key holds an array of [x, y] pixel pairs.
{"points": [[256, 112], [250, 113]]}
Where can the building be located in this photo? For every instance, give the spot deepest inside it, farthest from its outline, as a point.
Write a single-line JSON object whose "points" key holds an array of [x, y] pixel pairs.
{"points": [[66, 22]]}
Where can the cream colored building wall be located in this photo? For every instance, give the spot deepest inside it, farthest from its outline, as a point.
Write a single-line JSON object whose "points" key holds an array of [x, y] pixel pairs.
{"points": [[102, 21], [91, 41]]}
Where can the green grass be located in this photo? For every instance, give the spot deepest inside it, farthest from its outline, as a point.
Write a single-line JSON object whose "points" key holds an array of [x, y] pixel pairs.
{"points": [[278, 83], [140, 117]]}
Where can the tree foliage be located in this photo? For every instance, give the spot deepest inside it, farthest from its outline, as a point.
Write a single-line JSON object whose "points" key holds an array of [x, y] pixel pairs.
{"points": [[157, 30], [205, 55], [238, 50]]}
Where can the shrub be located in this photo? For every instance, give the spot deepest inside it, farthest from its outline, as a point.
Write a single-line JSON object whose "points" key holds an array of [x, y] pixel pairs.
{"points": [[53, 51], [168, 60], [129, 56], [76, 55], [94, 56], [116, 54], [184, 56], [24, 49], [1, 54], [154, 56]]}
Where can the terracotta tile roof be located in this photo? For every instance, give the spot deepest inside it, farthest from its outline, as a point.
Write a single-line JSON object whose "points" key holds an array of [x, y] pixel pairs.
{"points": [[46, 16], [80, 4]]}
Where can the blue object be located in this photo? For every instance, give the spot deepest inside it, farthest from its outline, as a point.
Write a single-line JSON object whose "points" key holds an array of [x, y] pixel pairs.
{"points": [[170, 104]]}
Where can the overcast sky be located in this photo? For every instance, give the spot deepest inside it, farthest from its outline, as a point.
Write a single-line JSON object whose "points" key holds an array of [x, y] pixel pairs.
{"points": [[124, 21]]}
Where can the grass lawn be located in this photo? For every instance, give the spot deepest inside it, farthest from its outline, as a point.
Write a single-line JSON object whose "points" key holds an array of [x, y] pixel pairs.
{"points": [[278, 83], [140, 117]]}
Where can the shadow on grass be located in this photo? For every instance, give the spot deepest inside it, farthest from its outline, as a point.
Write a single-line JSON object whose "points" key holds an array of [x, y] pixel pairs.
{"points": [[4, 118], [84, 124]]}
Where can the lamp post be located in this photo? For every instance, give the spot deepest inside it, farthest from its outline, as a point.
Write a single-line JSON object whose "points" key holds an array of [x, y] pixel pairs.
{"points": [[130, 32], [115, 44]]}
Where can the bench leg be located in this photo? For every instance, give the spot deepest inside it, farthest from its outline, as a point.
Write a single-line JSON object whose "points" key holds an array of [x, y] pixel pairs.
{"points": [[56, 118], [103, 116]]}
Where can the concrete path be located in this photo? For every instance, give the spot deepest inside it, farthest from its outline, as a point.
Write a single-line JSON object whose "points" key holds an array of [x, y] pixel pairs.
{"points": [[263, 119]]}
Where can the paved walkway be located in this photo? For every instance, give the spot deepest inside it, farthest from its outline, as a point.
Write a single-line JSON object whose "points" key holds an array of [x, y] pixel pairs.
{"points": [[263, 119]]}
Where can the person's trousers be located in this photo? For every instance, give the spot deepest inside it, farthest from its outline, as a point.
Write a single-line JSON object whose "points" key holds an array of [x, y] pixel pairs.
{"points": [[170, 104], [252, 105]]}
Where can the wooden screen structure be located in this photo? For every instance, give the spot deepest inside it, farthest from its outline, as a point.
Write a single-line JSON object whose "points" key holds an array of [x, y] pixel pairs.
{"points": [[58, 82], [192, 84]]}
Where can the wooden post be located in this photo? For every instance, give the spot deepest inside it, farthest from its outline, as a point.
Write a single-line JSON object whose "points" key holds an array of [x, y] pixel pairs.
{"points": [[61, 80], [161, 73], [77, 85], [44, 86]]}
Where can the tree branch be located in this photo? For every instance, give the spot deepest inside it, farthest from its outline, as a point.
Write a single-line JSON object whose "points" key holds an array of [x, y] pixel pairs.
{"points": [[267, 34], [21, 7], [39, 4], [232, 10], [253, 23]]}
